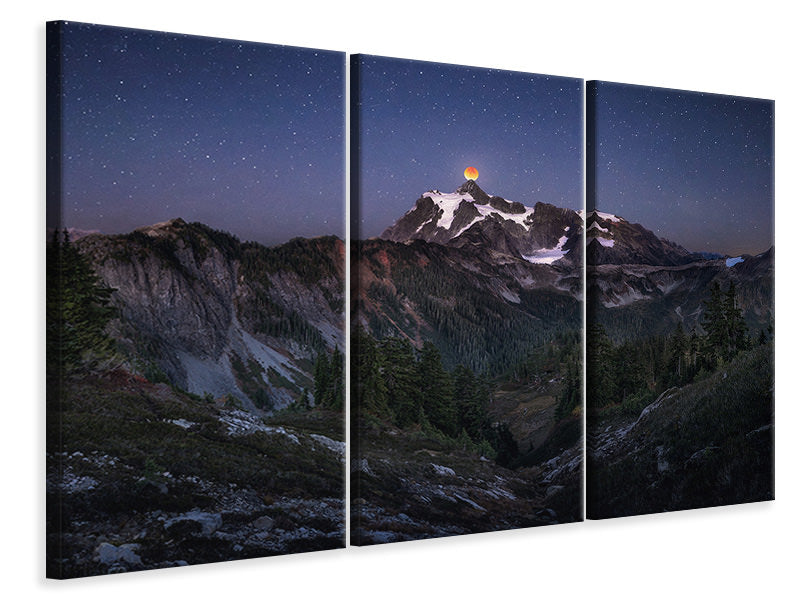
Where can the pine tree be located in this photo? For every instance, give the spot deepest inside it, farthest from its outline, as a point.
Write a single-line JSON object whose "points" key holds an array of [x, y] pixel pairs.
{"points": [[677, 350], [436, 390], [322, 380], [726, 330], [400, 378], [471, 400], [335, 395], [304, 403], [370, 387], [735, 324], [600, 385], [78, 311], [715, 341], [572, 378]]}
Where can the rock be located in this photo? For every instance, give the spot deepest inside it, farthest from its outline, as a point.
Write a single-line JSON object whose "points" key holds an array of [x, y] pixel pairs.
{"points": [[440, 470], [195, 522], [109, 554], [147, 483], [265, 523], [661, 462], [361, 465]]}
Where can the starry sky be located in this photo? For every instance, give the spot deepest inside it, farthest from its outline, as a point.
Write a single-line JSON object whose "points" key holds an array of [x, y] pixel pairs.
{"points": [[694, 168], [421, 124], [244, 137]]}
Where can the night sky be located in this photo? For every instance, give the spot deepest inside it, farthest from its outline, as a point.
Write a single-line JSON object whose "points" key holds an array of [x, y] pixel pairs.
{"points": [[245, 137], [694, 168], [423, 123]]}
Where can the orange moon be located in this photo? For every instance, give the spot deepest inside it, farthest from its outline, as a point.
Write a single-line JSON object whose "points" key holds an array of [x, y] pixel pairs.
{"points": [[471, 173]]}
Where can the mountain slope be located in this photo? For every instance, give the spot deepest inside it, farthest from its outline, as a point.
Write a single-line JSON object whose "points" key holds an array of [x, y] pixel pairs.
{"points": [[708, 443], [482, 308], [217, 316], [483, 278], [143, 476], [611, 240]]}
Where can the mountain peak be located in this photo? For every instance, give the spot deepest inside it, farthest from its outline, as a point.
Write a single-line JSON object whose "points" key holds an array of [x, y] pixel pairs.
{"points": [[474, 190], [163, 227]]}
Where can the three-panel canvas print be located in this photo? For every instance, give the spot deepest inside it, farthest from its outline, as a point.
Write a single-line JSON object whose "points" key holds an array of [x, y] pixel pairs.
{"points": [[511, 351]]}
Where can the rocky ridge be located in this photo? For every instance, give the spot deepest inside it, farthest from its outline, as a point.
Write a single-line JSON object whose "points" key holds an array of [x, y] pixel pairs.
{"points": [[217, 316]]}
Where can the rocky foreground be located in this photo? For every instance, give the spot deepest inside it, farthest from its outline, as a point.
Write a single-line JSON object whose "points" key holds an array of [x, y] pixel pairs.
{"points": [[145, 476], [415, 485], [708, 443]]}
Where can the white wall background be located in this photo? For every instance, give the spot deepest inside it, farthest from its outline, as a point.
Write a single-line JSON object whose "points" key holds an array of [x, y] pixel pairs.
{"points": [[743, 48]]}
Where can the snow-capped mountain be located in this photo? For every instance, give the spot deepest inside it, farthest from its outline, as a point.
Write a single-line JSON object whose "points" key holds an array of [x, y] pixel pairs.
{"points": [[542, 234], [611, 240]]}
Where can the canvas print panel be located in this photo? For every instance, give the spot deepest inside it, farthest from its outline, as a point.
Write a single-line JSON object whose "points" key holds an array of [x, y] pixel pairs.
{"points": [[680, 315], [195, 268], [467, 300]]}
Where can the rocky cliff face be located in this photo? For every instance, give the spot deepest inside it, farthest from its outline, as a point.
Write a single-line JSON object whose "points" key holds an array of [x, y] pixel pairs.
{"points": [[217, 316]]}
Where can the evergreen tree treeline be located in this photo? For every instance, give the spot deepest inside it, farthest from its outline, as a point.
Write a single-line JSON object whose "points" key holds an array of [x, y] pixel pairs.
{"points": [[396, 383], [634, 373]]}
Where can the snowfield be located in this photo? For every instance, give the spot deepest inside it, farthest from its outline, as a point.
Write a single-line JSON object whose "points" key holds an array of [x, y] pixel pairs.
{"points": [[449, 204]]}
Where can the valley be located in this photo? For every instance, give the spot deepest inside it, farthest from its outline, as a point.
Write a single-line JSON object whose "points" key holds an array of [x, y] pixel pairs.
{"points": [[466, 379]]}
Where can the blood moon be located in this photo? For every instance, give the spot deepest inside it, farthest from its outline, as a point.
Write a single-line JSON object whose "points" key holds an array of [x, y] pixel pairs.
{"points": [[471, 173]]}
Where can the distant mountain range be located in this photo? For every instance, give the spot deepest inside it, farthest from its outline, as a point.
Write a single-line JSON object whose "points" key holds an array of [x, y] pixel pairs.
{"points": [[520, 262], [640, 284], [483, 277]]}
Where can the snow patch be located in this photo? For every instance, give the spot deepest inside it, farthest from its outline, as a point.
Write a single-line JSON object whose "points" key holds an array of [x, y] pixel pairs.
{"points": [[470, 502], [498, 493], [240, 422], [508, 295], [71, 483], [547, 256], [666, 288], [733, 261], [605, 242], [606, 216], [629, 296], [595, 225]]}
